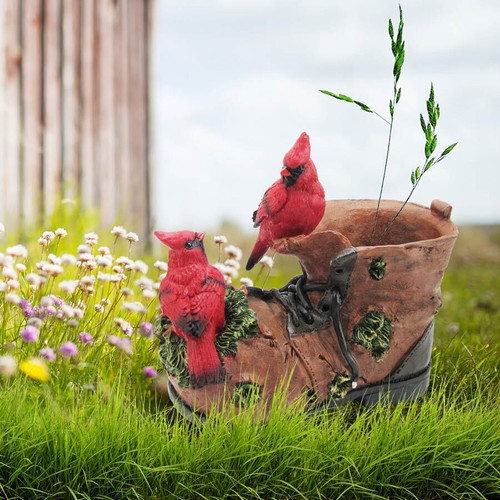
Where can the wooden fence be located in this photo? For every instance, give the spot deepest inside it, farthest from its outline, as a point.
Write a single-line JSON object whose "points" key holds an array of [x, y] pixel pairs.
{"points": [[75, 119]]}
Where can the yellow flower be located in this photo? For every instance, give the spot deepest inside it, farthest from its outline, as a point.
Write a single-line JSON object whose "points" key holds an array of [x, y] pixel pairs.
{"points": [[35, 368]]}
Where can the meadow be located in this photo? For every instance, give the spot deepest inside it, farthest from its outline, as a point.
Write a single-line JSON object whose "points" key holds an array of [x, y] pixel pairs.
{"points": [[84, 411]]}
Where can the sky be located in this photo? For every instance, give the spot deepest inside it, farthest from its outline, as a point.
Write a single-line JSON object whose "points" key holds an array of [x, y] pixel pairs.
{"points": [[236, 82]]}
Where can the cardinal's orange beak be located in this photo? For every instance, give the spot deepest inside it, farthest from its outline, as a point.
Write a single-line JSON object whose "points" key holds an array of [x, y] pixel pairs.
{"points": [[285, 172]]}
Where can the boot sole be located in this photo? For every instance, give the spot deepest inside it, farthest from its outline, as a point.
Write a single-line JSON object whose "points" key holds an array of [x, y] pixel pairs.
{"points": [[395, 391]]}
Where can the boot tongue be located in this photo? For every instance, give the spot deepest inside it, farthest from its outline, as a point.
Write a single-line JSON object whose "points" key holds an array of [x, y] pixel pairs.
{"points": [[314, 251], [300, 152]]}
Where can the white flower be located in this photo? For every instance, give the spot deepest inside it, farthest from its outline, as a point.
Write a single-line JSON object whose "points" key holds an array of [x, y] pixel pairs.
{"points": [[220, 240], [104, 276], [20, 268], [116, 278], [104, 260], [54, 260], [68, 286], [12, 298], [232, 263], [144, 283], [106, 301], [161, 266], [133, 307], [9, 273], [72, 323], [17, 251], [87, 280], [99, 308], [132, 237], [140, 267], [127, 292], [13, 285], [148, 294], [162, 276], [33, 279], [233, 252], [6, 260], [227, 272], [104, 250], [43, 242], [48, 235], [37, 322], [67, 259], [246, 281], [78, 312], [8, 364], [60, 232], [53, 270], [83, 249], [90, 265], [67, 311], [91, 239], [46, 301], [2, 228], [267, 261], [119, 231], [85, 256], [118, 269], [3, 286], [124, 261]]}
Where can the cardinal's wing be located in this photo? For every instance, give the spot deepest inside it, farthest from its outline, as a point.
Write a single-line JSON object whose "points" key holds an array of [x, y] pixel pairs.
{"points": [[272, 202]]}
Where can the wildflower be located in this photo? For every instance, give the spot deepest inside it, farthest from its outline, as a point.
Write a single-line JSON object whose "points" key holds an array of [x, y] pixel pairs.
{"points": [[144, 283], [99, 308], [124, 261], [220, 240], [233, 263], [113, 340], [161, 266], [246, 281], [8, 364], [127, 292], [140, 267], [72, 323], [30, 334], [53, 259], [2, 228], [47, 353], [12, 298], [17, 251], [67, 311], [6, 260], [68, 286], [83, 249], [233, 252], [36, 368], [104, 260], [104, 250], [85, 338], [119, 232], [267, 261], [3, 286], [9, 273], [13, 285], [125, 345], [125, 326], [57, 301], [132, 237], [25, 306], [149, 372], [148, 294], [134, 307], [46, 301], [51, 310], [91, 239], [35, 321], [68, 260], [68, 349], [118, 269], [85, 256], [146, 329], [20, 268], [61, 233], [34, 279], [227, 271]]}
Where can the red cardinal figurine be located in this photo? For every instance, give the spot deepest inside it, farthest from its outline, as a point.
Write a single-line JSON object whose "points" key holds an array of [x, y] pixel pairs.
{"points": [[192, 296], [293, 205]]}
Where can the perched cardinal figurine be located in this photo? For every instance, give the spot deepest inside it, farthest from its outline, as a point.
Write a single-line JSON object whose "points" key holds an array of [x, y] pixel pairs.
{"points": [[292, 206], [192, 296]]}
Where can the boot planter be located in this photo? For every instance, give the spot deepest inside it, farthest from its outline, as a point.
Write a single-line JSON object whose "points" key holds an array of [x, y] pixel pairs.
{"points": [[357, 325]]}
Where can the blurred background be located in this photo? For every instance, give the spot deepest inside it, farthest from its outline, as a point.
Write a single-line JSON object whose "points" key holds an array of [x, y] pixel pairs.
{"points": [[177, 114]]}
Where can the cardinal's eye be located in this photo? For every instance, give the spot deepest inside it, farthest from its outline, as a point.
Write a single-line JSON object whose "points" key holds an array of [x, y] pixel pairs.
{"points": [[189, 244], [301, 169]]}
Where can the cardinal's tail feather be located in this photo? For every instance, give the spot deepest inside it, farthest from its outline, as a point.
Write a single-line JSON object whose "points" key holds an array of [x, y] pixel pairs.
{"points": [[203, 361], [260, 248]]}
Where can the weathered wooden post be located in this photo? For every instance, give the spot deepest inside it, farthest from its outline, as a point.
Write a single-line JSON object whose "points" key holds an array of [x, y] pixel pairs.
{"points": [[75, 116]]}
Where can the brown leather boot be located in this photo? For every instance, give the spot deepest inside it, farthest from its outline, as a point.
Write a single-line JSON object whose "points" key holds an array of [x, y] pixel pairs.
{"points": [[357, 325]]}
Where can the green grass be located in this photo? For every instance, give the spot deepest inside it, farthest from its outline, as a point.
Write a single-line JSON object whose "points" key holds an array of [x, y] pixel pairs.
{"points": [[100, 429]]}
